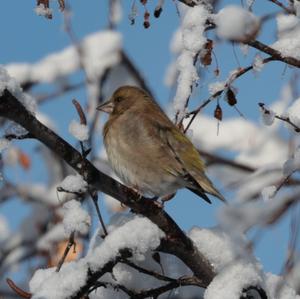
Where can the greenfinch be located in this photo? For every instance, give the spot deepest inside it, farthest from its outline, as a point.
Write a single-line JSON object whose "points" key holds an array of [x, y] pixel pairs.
{"points": [[147, 151]]}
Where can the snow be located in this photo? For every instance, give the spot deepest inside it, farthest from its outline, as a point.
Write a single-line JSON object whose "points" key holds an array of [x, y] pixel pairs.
{"points": [[74, 183], [48, 284], [95, 53], [75, 218], [4, 144], [176, 47], [229, 283], [79, 131], [176, 44], [116, 12], [293, 111], [52, 237], [293, 277], [215, 87], [240, 217], [13, 86], [268, 192], [285, 291], [211, 242], [288, 167], [135, 233], [138, 234], [255, 147], [41, 10], [236, 269], [9, 83], [258, 63], [296, 5], [291, 164], [101, 50], [38, 192], [236, 23], [192, 42], [288, 42], [4, 229], [267, 116], [252, 184]]}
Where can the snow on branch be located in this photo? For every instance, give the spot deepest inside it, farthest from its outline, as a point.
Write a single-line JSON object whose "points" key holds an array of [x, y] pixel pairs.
{"points": [[100, 51]]}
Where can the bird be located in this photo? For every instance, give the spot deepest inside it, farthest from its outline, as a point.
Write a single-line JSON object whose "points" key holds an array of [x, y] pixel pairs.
{"points": [[147, 151]]}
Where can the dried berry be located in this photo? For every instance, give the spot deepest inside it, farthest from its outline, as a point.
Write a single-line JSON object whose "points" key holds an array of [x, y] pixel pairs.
{"points": [[218, 114], [206, 58], [157, 12], [230, 97]]}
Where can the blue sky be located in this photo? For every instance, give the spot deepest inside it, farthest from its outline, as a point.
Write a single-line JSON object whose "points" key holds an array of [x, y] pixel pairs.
{"points": [[25, 37]]}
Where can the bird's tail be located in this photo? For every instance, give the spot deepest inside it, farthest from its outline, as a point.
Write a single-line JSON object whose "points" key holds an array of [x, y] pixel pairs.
{"points": [[201, 184], [209, 188], [200, 193]]}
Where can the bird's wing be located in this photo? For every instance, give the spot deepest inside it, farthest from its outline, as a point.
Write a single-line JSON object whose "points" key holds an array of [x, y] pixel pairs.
{"points": [[192, 165]]}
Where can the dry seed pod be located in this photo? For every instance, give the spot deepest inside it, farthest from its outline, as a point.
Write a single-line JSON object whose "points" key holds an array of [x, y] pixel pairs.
{"points": [[146, 24], [157, 12], [217, 72], [218, 113], [146, 19], [206, 59], [230, 97]]}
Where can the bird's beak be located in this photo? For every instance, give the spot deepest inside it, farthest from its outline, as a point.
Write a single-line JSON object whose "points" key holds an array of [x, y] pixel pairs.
{"points": [[106, 107]]}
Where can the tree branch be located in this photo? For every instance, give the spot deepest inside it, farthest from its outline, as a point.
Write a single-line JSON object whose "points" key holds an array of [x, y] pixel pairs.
{"points": [[276, 55]]}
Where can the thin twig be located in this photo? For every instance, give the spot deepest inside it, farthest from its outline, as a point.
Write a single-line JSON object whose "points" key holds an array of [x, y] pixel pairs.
{"points": [[281, 5], [148, 272], [80, 112], [282, 118], [151, 293], [275, 54], [94, 197], [287, 120], [71, 243], [17, 290], [61, 189], [236, 74], [18, 137]]}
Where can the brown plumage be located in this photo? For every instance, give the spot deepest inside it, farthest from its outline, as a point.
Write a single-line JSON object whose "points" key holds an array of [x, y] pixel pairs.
{"points": [[147, 151]]}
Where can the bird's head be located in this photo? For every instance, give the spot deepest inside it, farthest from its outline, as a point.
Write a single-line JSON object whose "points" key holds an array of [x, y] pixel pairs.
{"points": [[124, 98]]}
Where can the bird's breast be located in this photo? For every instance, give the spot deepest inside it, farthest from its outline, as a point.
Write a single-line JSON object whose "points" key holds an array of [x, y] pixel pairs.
{"points": [[135, 160]]}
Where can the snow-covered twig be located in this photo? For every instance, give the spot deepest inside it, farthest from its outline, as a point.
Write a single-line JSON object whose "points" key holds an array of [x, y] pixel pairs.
{"points": [[234, 75], [282, 118]]}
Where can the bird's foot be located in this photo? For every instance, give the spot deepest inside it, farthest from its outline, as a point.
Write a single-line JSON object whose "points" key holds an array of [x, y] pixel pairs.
{"points": [[155, 200], [160, 201], [167, 197], [133, 192]]}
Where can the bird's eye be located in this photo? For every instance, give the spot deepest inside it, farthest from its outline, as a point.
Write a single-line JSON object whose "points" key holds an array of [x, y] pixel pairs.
{"points": [[118, 99]]}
